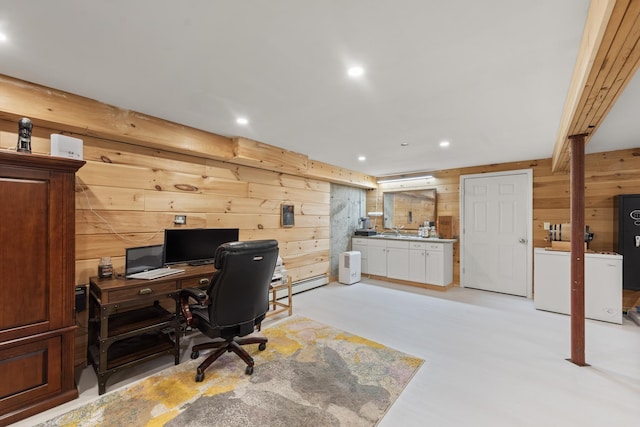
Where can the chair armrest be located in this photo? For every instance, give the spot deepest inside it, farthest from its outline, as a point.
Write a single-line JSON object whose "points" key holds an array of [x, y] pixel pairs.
{"points": [[195, 293]]}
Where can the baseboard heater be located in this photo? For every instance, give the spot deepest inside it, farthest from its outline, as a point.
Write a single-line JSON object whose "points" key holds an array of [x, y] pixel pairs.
{"points": [[304, 285]]}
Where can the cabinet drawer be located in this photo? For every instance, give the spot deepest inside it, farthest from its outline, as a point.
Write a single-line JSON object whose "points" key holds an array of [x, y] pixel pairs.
{"points": [[418, 245], [435, 247], [195, 282], [397, 244], [378, 243], [31, 370], [141, 291], [358, 241]]}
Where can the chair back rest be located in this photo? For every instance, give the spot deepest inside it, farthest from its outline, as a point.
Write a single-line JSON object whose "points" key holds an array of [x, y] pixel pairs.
{"points": [[239, 290]]}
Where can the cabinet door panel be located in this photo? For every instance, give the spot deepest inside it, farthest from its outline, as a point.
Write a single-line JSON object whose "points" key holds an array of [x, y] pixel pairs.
{"points": [[398, 263], [417, 266], [435, 273], [377, 261], [364, 254], [29, 371], [24, 252]]}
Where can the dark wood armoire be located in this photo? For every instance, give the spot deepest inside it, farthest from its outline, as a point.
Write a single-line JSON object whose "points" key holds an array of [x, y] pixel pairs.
{"points": [[37, 283]]}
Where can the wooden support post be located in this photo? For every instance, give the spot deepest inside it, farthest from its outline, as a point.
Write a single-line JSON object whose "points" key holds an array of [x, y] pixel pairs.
{"points": [[577, 249]]}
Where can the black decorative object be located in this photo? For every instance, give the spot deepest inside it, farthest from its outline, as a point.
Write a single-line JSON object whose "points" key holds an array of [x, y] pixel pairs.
{"points": [[24, 135]]}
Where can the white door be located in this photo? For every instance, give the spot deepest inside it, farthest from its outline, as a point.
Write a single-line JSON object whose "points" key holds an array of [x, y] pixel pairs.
{"points": [[495, 243]]}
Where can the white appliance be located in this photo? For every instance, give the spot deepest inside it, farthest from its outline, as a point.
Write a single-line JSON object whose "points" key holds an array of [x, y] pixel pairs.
{"points": [[349, 271], [602, 284], [66, 146]]}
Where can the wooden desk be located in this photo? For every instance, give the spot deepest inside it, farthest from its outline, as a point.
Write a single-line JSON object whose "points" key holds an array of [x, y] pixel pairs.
{"points": [[129, 325]]}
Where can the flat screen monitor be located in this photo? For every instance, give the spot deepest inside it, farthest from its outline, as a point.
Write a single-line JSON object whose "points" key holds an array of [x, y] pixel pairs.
{"points": [[195, 245]]}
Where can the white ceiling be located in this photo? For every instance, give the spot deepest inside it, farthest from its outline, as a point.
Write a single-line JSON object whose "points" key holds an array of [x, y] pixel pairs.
{"points": [[489, 76]]}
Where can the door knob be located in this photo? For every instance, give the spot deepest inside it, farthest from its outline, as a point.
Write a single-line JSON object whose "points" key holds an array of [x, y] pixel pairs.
{"points": [[523, 240]]}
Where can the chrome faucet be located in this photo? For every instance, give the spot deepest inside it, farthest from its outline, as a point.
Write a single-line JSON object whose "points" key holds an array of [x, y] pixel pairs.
{"points": [[397, 229]]}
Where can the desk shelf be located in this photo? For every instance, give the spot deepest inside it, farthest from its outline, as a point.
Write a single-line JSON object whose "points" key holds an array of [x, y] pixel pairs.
{"points": [[129, 321], [128, 338], [135, 350], [138, 320]]}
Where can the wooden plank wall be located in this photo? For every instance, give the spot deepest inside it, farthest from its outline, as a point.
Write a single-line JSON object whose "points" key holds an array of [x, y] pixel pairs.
{"points": [[607, 175], [127, 195], [421, 206]]}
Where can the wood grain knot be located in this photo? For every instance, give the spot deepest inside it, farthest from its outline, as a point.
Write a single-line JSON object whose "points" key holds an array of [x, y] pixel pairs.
{"points": [[186, 187]]}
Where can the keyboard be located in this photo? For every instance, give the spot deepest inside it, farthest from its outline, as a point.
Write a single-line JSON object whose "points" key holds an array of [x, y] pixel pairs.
{"points": [[155, 274]]}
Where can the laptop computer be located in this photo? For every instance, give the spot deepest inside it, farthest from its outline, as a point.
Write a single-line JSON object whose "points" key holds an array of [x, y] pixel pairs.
{"points": [[145, 262]]}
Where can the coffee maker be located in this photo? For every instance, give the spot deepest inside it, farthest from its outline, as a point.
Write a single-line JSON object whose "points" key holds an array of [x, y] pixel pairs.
{"points": [[365, 227]]}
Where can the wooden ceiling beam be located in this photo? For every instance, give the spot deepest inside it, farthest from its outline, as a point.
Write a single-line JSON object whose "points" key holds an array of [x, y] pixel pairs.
{"points": [[80, 116], [608, 58]]}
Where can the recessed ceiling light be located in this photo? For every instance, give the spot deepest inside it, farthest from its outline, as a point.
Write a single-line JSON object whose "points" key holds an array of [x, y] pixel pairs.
{"points": [[242, 121], [362, 158], [356, 71], [3, 37], [444, 144]]}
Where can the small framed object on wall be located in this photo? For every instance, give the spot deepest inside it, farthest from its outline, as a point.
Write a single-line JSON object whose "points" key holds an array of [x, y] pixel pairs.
{"points": [[287, 216]]}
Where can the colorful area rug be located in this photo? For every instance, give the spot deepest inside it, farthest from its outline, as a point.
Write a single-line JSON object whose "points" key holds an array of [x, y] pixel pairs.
{"points": [[310, 374]]}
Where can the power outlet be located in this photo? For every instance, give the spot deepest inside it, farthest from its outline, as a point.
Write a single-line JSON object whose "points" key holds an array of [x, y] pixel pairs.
{"points": [[180, 219], [547, 225]]}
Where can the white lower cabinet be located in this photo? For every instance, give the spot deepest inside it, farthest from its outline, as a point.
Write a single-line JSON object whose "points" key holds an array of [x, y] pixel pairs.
{"points": [[418, 265], [359, 244], [398, 259], [377, 258], [425, 262], [438, 270]]}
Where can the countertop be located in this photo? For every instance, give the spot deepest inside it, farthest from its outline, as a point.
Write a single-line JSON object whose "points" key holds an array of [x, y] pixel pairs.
{"points": [[408, 237]]}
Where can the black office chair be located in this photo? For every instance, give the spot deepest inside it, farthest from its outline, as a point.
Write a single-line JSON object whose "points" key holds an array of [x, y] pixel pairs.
{"points": [[235, 302]]}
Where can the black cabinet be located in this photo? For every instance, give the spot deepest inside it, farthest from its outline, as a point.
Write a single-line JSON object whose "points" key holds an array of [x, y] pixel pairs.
{"points": [[627, 238]]}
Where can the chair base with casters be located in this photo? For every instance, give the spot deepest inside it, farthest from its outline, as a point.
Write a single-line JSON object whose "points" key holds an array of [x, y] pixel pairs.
{"points": [[197, 315], [235, 303], [228, 345]]}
